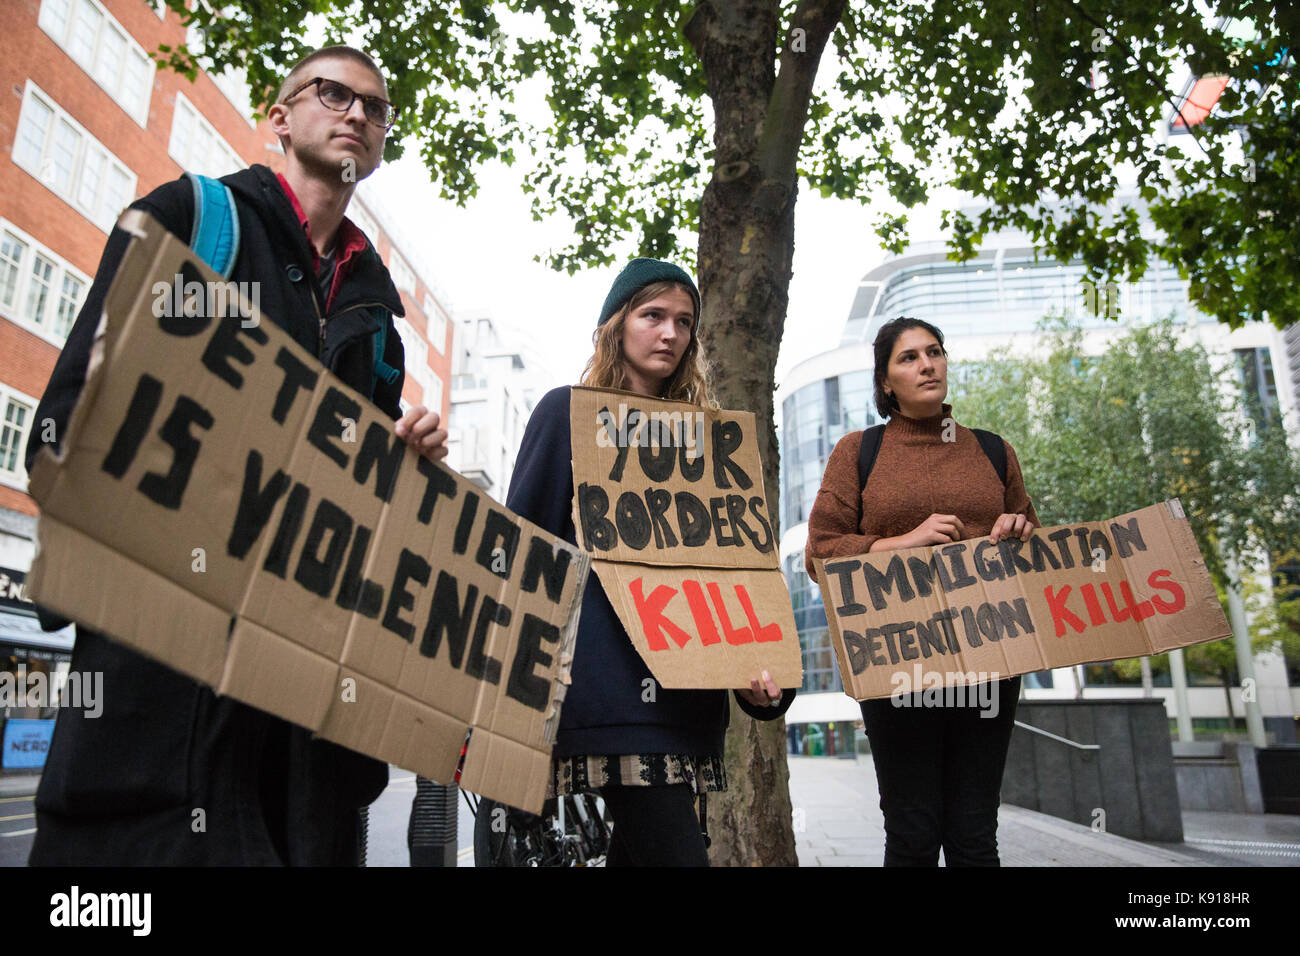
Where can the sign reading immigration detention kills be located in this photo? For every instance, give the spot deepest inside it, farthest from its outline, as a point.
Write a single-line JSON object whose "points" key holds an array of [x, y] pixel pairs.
{"points": [[228, 507], [669, 499], [922, 618]]}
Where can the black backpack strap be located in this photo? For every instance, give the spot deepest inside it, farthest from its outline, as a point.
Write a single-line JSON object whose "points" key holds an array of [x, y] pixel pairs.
{"points": [[996, 450], [871, 438]]}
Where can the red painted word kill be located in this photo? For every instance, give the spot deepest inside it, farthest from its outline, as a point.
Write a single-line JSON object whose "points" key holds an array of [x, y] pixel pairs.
{"points": [[656, 623]]}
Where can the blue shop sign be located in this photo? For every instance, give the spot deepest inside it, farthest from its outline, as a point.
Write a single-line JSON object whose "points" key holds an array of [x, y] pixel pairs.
{"points": [[26, 742]]}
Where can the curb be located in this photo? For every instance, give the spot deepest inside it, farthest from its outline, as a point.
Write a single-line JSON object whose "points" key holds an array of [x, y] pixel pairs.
{"points": [[19, 785]]}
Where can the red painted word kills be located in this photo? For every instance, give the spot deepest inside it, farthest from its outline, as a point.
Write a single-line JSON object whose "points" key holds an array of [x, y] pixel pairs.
{"points": [[1063, 616], [656, 623]]}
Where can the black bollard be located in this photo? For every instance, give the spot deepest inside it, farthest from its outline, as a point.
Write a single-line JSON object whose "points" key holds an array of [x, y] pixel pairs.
{"points": [[431, 834]]}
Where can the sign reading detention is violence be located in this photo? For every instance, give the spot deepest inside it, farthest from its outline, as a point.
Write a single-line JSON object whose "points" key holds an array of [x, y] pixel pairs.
{"points": [[669, 499], [225, 505], [904, 621]]}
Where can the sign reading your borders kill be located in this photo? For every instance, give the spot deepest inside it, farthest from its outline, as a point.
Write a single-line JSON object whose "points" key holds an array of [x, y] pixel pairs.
{"points": [[225, 505], [669, 499], [923, 618]]}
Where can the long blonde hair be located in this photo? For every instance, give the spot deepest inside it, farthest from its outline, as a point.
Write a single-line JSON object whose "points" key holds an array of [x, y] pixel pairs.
{"points": [[607, 368]]}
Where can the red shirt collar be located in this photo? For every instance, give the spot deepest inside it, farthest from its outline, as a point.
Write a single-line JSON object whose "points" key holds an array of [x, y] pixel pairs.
{"points": [[350, 241]]}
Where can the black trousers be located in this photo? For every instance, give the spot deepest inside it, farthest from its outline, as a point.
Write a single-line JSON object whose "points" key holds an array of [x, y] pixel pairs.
{"points": [[654, 826], [939, 770]]}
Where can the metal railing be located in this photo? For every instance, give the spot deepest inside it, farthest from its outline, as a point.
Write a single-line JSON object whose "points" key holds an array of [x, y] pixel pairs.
{"points": [[1064, 740]]}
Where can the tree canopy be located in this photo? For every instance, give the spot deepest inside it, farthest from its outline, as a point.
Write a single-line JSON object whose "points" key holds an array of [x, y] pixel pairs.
{"points": [[1152, 416], [1038, 110]]}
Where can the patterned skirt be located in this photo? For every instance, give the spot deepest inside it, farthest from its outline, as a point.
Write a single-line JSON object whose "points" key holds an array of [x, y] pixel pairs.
{"points": [[704, 773]]}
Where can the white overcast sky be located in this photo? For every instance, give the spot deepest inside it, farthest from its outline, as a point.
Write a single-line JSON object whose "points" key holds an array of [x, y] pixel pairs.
{"points": [[482, 256]]}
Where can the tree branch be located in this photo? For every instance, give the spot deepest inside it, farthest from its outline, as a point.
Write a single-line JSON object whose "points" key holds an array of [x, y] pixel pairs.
{"points": [[735, 42], [787, 111]]}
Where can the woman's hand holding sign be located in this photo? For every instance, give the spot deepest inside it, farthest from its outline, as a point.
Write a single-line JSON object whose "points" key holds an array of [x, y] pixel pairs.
{"points": [[936, 529], [1012, 526], [762, 693], [419, 429]]}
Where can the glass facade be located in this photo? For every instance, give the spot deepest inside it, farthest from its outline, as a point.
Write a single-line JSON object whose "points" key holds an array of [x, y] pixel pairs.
{"points": [[813, 419], [820, 671], [1012, 294], [1258, 388]]}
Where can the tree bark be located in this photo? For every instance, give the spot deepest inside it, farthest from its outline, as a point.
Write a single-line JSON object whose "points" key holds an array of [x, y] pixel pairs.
{"points": [[745, 252]]}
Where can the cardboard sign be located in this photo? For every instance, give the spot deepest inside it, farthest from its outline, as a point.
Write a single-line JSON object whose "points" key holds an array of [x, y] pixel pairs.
{"points": [[230, 508], [971, 611], [669, 499]]}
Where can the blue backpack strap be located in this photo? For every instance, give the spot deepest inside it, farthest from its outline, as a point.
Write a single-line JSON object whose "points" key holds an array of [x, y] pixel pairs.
{"points": [[215, 237], [381, 371]]}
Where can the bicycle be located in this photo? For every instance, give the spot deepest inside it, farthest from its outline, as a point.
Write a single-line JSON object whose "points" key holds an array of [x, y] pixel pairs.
{"points": [[572, 832]]}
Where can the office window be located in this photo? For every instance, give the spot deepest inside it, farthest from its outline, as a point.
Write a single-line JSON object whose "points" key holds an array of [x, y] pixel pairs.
{"points": [[38, 289], [102, 47], [433, 394], [71, 292], [54, 16], [196, 146], [417, 359], [110, 58], [62, 157], [437, 324], [92, 176], [362, 219], [12, 250], [84, 30], [138, 79], [33, 128], [55, 149], [403, 277], [13, 437], [119, 191]]}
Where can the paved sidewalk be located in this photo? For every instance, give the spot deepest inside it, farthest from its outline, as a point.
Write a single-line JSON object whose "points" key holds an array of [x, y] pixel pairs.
{"points": [[838, 823]]}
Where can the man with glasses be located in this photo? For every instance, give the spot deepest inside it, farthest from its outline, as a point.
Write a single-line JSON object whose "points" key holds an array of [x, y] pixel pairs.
{"points": [[170, 773]]}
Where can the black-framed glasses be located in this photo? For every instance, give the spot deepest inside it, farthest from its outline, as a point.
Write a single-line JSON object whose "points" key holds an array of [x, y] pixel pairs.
{"points": [[335, 96]]}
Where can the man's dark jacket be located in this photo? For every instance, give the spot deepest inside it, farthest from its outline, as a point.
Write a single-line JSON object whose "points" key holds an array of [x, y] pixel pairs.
{"points": [[170, 773]]}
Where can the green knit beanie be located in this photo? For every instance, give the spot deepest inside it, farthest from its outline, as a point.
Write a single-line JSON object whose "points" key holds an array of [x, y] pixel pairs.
{"points": [[638, 274]]}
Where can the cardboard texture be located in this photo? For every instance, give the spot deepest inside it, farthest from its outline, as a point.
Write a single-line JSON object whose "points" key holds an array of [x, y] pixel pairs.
{"points": [[227, 506], [962, 613], [669, 498]]}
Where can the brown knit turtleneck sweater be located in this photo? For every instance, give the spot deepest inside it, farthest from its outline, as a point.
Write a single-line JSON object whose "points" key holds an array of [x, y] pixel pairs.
{"points": [[916, 474]]}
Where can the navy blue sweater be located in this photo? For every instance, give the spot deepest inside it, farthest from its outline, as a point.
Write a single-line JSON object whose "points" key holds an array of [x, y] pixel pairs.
{"points": [[606, 710]]}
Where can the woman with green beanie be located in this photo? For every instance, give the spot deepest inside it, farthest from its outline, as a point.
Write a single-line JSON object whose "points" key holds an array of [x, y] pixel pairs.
{"points": [[649, 756]]}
